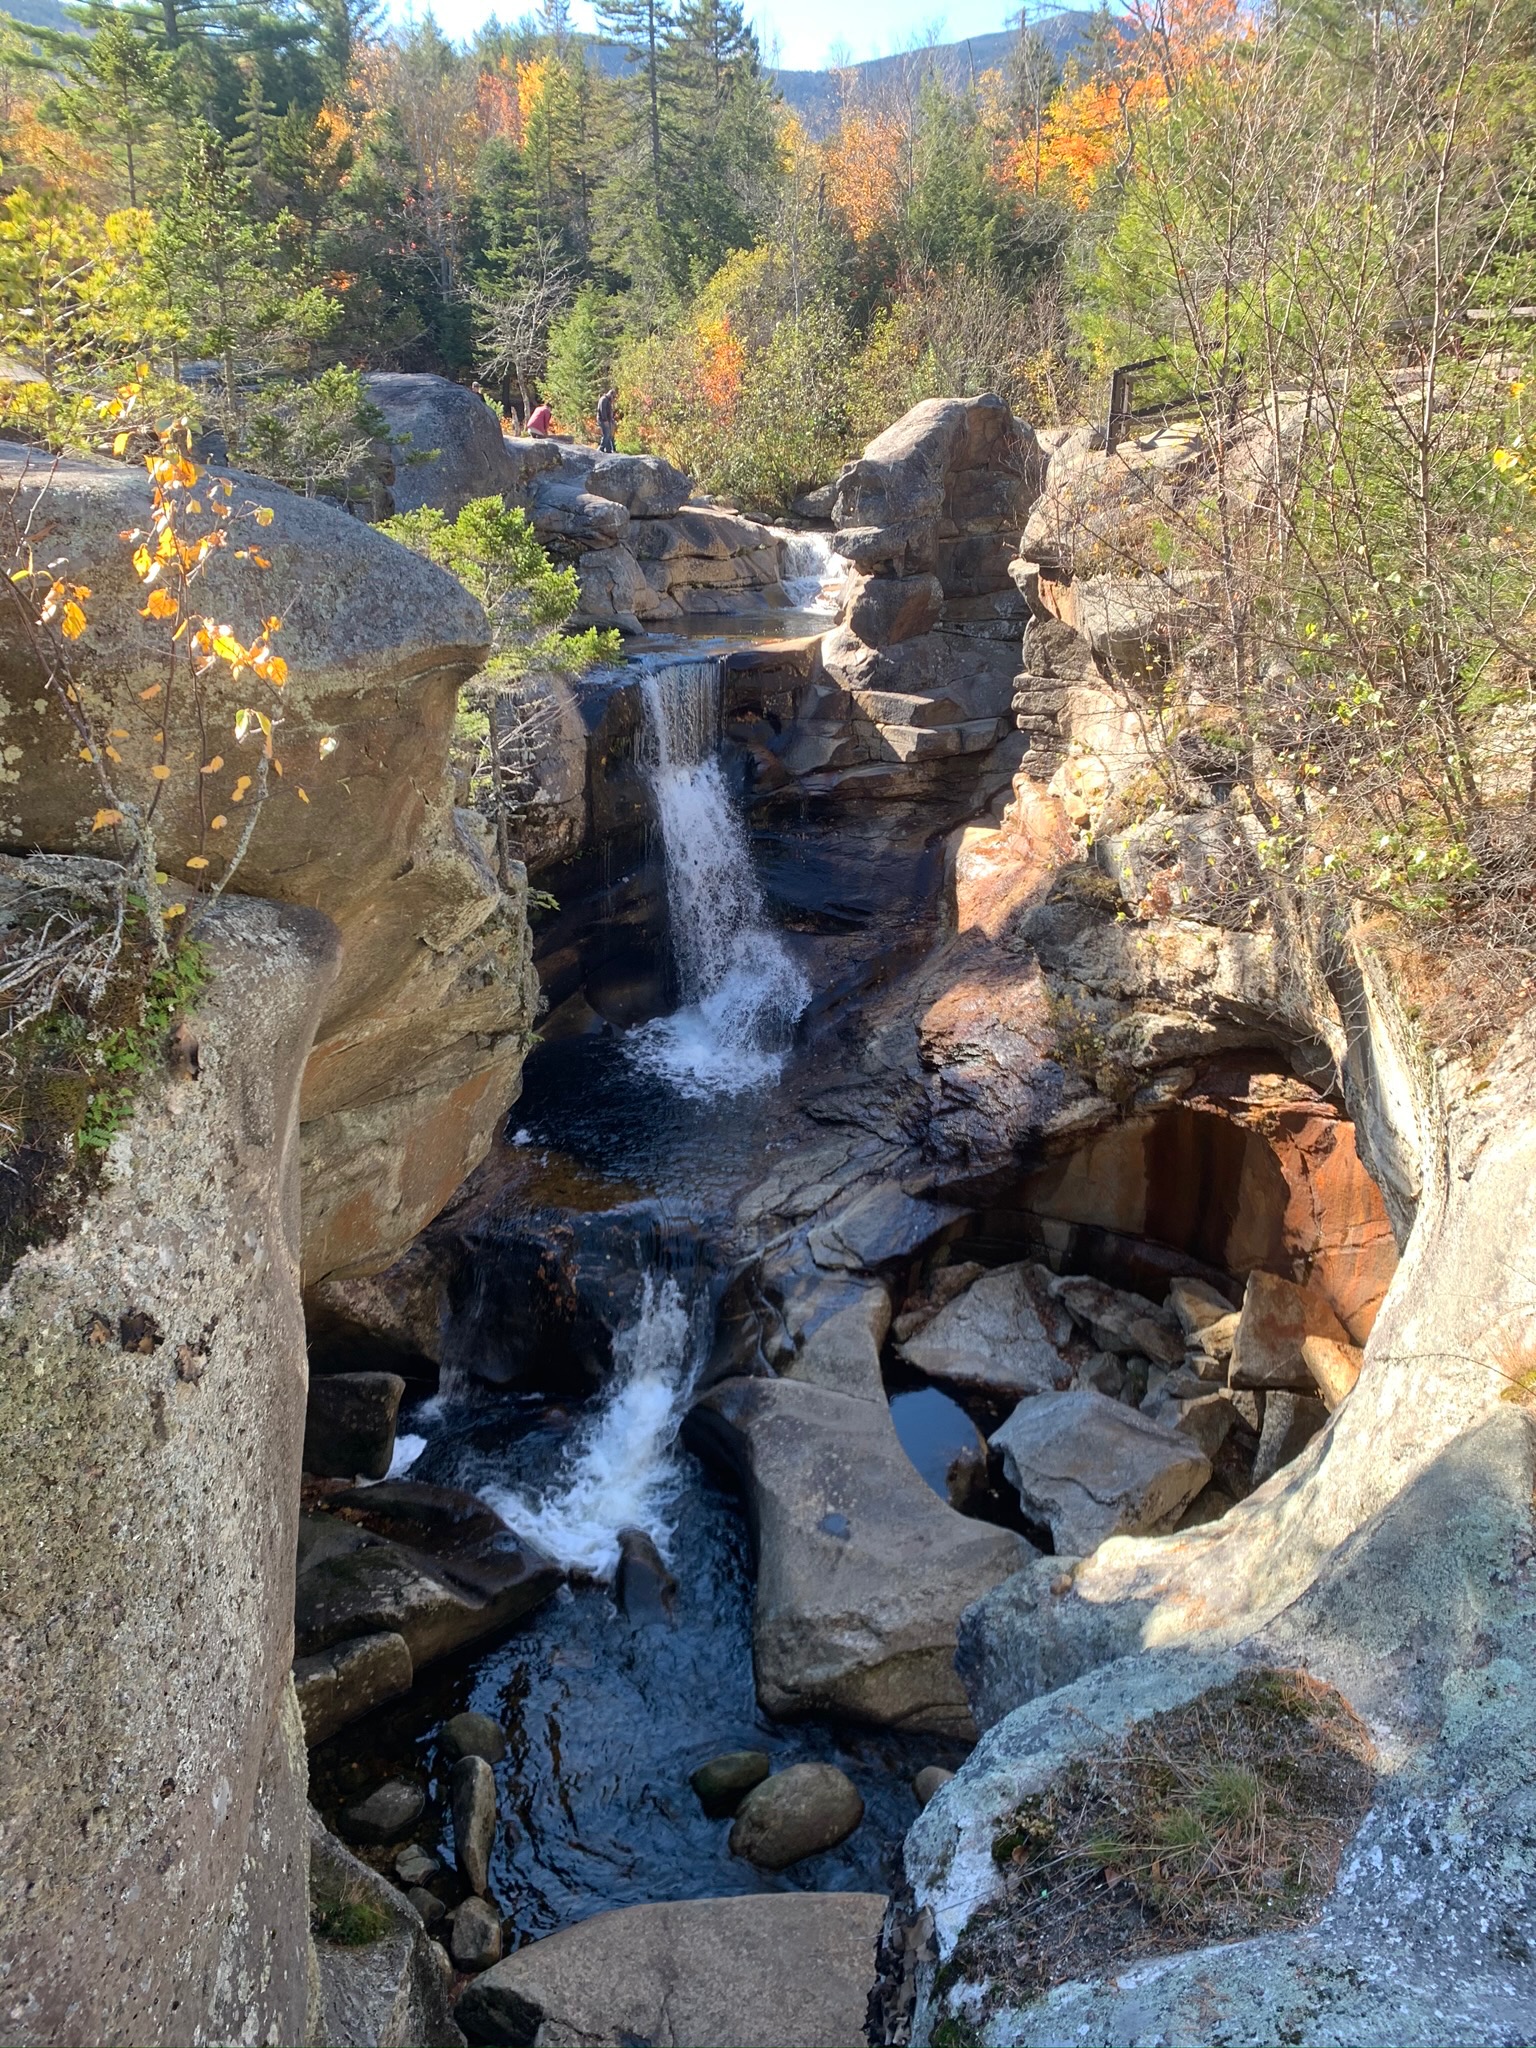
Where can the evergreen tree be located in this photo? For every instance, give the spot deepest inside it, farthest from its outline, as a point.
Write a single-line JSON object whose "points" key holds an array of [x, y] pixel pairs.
{"points": [[581, 351], [641, 27], [119, 91]]}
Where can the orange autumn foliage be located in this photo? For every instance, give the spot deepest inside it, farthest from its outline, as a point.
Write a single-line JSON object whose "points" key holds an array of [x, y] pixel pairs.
{"points": [[862, 165], [1083, 134], [498, 104], [722, 365]]}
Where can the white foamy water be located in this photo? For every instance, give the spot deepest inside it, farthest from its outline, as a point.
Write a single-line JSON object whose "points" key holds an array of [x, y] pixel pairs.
{"points": [[407, 1450], [741, 990], [813, 574], [623, 1471]]}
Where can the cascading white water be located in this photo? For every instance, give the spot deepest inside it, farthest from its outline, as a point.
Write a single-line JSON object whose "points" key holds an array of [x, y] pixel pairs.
{"points": [[812, 574], [741, 991], [624, 1471]]}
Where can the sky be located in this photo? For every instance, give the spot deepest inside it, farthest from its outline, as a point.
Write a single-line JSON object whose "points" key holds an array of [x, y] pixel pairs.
{"points": [[796, 35]]}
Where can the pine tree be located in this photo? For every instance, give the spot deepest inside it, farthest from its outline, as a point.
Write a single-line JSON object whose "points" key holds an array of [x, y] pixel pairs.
{"points": [[581, 350], [120, 88], [641, 27]]}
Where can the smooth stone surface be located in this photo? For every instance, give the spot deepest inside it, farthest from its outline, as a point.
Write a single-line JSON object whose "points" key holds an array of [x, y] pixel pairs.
{"points": [[385, 1814], [1276, 1319], [472, 1734], [1093, 1468], [881, 1224], [928, 1781], [794, 1814], [472, 1792], [349, 1424], [474, 1935], [647, 486], [643, 1587], [991, 1338], [863, 1572], [776, 1970], [348, 1679], [837, 1324], [1334, 1367], [725, 1781]]}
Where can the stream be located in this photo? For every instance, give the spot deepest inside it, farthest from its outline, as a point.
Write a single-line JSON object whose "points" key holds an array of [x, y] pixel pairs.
{"points": [[608, 1712]]}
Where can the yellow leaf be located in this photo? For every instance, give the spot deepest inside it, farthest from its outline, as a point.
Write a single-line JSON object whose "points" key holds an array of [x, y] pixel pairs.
{"points": [[226, 646], [327, 746], [197, 861], [261, 561], [277, 765], [120, 443], [73, 623], [276, 671], [264, 515], [104, 818], [161, 876], [212, 767], [87, 753], [174, 910], [145, 696], [118, 732], [303, 798], [217, 824], [161, 605], [272, 625], [160, 772], [114, 755]]}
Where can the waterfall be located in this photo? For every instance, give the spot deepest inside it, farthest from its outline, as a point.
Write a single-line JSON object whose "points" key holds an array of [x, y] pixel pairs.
{"points": [[741, 992], [812, 574], [623, 1472]]}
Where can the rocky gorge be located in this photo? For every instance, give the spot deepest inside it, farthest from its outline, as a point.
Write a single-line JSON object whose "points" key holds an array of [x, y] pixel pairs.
{"points": [[726, 1411]]}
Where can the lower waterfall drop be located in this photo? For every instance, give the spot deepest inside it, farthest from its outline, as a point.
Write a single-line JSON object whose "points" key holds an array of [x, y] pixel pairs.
{"points": [[741, 991]]}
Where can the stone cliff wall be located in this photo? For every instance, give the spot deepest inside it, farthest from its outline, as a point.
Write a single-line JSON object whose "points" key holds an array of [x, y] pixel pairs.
{"points": [[152, 1787], [424, 1033]]}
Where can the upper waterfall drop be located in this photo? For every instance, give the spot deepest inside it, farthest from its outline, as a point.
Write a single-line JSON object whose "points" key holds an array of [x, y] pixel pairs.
{"points": [[741, 992], [813, 574]]}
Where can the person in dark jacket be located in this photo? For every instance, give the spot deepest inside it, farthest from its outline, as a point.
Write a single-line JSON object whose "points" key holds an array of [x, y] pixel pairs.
{"points": [[607, 412]]}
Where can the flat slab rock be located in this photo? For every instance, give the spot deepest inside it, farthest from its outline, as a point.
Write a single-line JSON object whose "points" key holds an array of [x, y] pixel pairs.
{"points": [[992, 1337], [775, 1970], [1093, 1469], [863, 1572]]}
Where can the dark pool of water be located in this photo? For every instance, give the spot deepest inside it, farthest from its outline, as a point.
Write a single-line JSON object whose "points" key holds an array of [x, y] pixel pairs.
{"points": [[935, 1431], [606, 1718]]}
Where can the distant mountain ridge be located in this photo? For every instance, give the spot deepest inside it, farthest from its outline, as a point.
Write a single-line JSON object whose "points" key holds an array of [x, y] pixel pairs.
{"points": [[814, 95]]}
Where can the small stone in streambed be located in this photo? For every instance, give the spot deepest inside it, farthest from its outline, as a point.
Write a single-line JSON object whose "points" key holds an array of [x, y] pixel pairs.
{"points": [[473, 1791], [928, 1781], [796, 1813], [474, 1937], [427, 1904], [385, 1815], [471, 1734], [726, 1780], [414, 1866]]}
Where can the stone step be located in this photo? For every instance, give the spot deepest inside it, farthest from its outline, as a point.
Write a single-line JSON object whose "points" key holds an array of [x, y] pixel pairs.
{"points": [[897, 707], [932, 743]]}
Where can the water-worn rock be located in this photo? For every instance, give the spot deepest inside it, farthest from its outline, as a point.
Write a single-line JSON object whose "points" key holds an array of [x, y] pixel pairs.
{"points": [[643, 1586], [472, 1734], [472, 1794], [1277, 1317], [1290, 1423], [1093, 1468], [450, 442], [149, 1638], [885, 609], [356, 1583], [350, 1678], [385, 1814], [581, 516], [349, 1423], [929, 1780], [881, 1223], [837, 1325], [392, 1991], [474, 1937], [991, 1338], [785, 1970], [862, 1570], [725, 1781], [796, 1813]]}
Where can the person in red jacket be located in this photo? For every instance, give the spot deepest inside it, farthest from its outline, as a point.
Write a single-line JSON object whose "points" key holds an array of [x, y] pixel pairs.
{"points": [[539, 420]]}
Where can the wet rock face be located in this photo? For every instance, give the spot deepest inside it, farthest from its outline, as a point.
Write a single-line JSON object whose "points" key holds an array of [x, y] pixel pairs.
{"points": [[349, 1424], [149, 1637]]}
